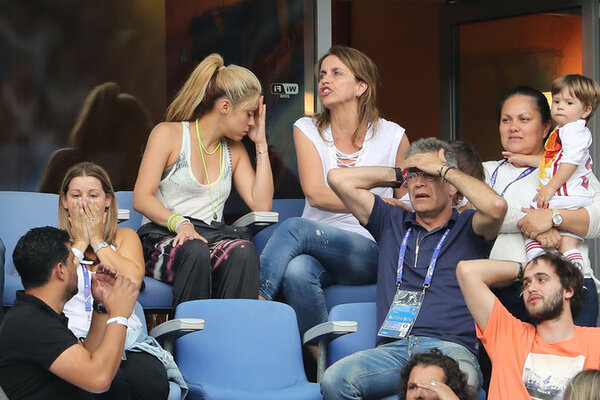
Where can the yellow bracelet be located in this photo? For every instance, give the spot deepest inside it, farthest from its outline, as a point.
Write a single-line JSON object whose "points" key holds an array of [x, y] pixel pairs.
{"points": [[172, 221]]}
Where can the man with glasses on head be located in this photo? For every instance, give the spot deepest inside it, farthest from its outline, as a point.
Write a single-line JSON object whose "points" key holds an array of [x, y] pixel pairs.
{"points": [[419, 302]]}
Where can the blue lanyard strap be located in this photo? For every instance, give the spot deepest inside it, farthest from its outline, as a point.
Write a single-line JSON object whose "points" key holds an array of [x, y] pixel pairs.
{"points": [[432, 262], [87, 290], [521, 176]]}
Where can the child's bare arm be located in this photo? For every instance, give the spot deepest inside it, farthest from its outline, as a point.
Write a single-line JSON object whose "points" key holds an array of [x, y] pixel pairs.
{"points": [[523, 159], [561, 176]]}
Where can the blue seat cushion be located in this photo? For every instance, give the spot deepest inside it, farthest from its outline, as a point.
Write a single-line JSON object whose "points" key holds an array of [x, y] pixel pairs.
{"points": [[157, 295]]}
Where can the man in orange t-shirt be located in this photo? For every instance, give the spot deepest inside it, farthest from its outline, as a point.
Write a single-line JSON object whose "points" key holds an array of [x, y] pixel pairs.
{"points": [[530, 362]]}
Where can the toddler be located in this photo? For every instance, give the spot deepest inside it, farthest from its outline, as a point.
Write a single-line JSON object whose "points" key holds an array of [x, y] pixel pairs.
{"points": [[565, 165]]}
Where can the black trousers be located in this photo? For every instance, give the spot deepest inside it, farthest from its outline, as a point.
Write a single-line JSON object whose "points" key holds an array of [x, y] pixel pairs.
{"points": [[142, 376], [229, 270]]}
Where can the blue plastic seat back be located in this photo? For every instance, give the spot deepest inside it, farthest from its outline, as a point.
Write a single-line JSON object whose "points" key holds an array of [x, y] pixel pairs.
{"points": [[366, 316], [286, 208], [246, 344], [342, 294], [125, 200], [19, 212]]}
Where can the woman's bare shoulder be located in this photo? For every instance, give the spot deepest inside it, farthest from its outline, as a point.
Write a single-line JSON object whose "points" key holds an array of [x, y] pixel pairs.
{"points": [[125, 235]]}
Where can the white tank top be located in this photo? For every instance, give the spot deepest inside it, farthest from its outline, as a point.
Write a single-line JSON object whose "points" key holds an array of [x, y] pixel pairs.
{"points": [[379, 150], [180, 192]]}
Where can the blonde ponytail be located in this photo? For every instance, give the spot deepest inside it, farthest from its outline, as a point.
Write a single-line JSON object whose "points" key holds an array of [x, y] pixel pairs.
{"points": [[210, 81]]}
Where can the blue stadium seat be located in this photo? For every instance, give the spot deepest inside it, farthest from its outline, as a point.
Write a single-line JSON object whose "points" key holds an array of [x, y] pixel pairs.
{"points": [[286, 208], [125, 201], [19, 212], [249, 349]]}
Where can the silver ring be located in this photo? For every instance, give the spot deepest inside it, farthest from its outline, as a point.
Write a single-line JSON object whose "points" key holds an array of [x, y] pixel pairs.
{"points": [[92, 219], [434, 383]]}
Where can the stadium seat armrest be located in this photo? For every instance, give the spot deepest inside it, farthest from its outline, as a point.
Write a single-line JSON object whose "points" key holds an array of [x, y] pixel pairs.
{"points": [[167, 332], [257, 220], [324, 333]]}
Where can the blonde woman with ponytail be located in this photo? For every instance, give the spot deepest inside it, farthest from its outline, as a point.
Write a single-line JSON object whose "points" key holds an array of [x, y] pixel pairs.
{"points": [[185, 177]]}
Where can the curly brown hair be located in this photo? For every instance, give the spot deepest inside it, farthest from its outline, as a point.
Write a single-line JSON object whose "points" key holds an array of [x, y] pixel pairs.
{"points": [[455, 378]]}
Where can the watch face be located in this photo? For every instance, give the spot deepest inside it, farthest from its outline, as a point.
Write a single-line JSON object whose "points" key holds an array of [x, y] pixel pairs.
{"points": [[557, 219]]}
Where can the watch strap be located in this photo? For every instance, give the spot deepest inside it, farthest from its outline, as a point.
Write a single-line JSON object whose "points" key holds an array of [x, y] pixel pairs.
{"points": [[100, 246], [399, 178]]}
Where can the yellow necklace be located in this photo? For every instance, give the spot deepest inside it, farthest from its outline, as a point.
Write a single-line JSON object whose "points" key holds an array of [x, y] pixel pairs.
{"points": [[213, 206]]}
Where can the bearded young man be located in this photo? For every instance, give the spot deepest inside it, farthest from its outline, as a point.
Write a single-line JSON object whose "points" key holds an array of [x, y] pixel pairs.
{"points": [[531, 361]]}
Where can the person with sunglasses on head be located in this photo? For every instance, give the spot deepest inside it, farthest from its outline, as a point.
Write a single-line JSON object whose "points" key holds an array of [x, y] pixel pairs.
{"points": [[419, 302]]}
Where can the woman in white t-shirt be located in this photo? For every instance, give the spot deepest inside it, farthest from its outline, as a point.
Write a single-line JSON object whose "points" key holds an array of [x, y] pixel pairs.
{"points": [[524, 124], [327, 245]]}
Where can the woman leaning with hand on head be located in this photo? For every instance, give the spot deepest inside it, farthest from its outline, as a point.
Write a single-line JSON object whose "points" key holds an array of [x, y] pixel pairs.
{"points": [[88, 211], [327, 245], [185, 178], [524, 124]]}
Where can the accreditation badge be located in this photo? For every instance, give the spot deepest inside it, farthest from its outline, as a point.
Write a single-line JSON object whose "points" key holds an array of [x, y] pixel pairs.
{"points": [[402, 314]]}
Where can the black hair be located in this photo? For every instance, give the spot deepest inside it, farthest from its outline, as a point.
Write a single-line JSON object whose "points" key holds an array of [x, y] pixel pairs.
{"points": [[37, 252], [540, 101], [455, 378]]}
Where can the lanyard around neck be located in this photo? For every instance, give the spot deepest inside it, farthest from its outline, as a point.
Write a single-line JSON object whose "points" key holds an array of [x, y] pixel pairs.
{"points": [[521, 176], [87, 290], [432, 262]]}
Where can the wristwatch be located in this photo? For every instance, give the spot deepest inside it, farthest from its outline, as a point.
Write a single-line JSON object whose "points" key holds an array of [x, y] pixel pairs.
{"points": [[557, 219], [99, 307]]}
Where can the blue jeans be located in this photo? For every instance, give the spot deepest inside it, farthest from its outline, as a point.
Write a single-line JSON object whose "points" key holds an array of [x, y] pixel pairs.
{"points": [[375, 373], [303, 257]]}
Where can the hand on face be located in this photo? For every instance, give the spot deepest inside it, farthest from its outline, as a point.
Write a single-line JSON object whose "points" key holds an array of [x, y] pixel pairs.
{"points": [[430, 163], [77, 219], [257, 131], [96, 217], [434, 390]]}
